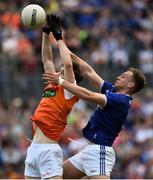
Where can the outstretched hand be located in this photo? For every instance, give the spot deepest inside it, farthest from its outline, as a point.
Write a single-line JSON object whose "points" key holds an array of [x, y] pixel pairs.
{"points": [[55, 22], [46, 27], [56, 26], [51, 78], [53, 25]]}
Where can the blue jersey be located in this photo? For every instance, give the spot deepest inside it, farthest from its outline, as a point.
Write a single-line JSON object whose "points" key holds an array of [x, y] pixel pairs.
{"points": [[105, 123]]}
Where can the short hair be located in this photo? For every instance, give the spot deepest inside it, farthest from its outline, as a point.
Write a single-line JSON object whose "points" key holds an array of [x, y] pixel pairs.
{"points": [[77, 73], [139, 79]]}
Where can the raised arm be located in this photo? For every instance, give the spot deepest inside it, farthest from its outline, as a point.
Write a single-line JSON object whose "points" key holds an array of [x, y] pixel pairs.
{"points": [[64, 51], [81, 92], [84, 93], [66, 59], [46, 53], [87, 71]]}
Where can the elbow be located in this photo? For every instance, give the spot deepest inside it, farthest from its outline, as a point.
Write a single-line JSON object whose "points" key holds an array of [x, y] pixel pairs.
{"points": [[87, 70], [43, 57], [87, 73], [86, 97], [68, 65], [44, 60]]}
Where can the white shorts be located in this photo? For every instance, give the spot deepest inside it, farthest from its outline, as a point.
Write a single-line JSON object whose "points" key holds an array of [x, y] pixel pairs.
{"points": [[44, 161], [94, 160]]}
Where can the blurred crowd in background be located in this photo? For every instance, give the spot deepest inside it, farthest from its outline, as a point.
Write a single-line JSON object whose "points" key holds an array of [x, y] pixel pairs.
{"points": [[111, 36]]}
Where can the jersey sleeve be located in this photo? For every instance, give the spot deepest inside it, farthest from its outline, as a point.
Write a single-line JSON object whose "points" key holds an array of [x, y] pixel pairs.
{"points": [[106, 86], [114, 100]]}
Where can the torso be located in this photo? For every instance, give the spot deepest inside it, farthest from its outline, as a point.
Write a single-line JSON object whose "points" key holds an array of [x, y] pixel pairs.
{"points": [[50, 117], [40, 138], [105, 123]]}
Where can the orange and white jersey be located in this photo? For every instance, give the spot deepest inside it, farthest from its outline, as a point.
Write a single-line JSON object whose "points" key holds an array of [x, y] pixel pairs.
{"points": [[52, 111]]}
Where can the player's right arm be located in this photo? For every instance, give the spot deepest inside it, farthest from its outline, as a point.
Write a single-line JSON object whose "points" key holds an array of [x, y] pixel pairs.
{"points": [[64, 51], [46, 53], [79, 91], [87, 71], [66, 59]]}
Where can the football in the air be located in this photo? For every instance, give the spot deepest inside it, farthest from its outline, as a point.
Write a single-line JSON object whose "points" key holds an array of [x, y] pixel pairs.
{"points": [[33, 16]]}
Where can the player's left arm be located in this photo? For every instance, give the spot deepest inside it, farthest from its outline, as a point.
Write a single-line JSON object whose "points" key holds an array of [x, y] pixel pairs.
{"points": [[66, 59], [46, 50], [46, 53], [64, 51], [81, 92], [87, 71], [85, 94]]}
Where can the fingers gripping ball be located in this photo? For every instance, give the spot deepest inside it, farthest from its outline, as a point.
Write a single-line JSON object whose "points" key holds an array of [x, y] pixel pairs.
{"points": [[33, 16]]}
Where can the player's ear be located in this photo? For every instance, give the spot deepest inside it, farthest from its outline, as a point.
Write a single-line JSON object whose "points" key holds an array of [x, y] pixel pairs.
{"points": [[131, 84]]}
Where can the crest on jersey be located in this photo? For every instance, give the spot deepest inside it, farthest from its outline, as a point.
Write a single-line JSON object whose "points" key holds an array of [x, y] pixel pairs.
{"points": [[49, 93]]}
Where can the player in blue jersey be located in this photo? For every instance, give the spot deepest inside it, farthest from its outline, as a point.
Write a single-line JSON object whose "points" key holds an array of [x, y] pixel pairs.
{"points": [[97, 158]]}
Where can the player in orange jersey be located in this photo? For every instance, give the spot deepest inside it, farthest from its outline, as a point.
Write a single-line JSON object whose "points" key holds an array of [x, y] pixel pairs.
{"points": [[44, 156]]}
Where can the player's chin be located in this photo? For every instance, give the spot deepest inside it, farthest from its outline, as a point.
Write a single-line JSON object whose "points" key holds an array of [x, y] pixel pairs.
{"points": [[115, 84]]}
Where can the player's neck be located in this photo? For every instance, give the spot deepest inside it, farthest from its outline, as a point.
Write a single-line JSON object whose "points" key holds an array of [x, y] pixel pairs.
{"points": [[123, 92]]}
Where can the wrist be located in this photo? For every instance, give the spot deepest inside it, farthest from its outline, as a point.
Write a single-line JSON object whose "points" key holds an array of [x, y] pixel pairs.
{"points": [[46, 29], [60, 80], [57, 34], [58, 38]]}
